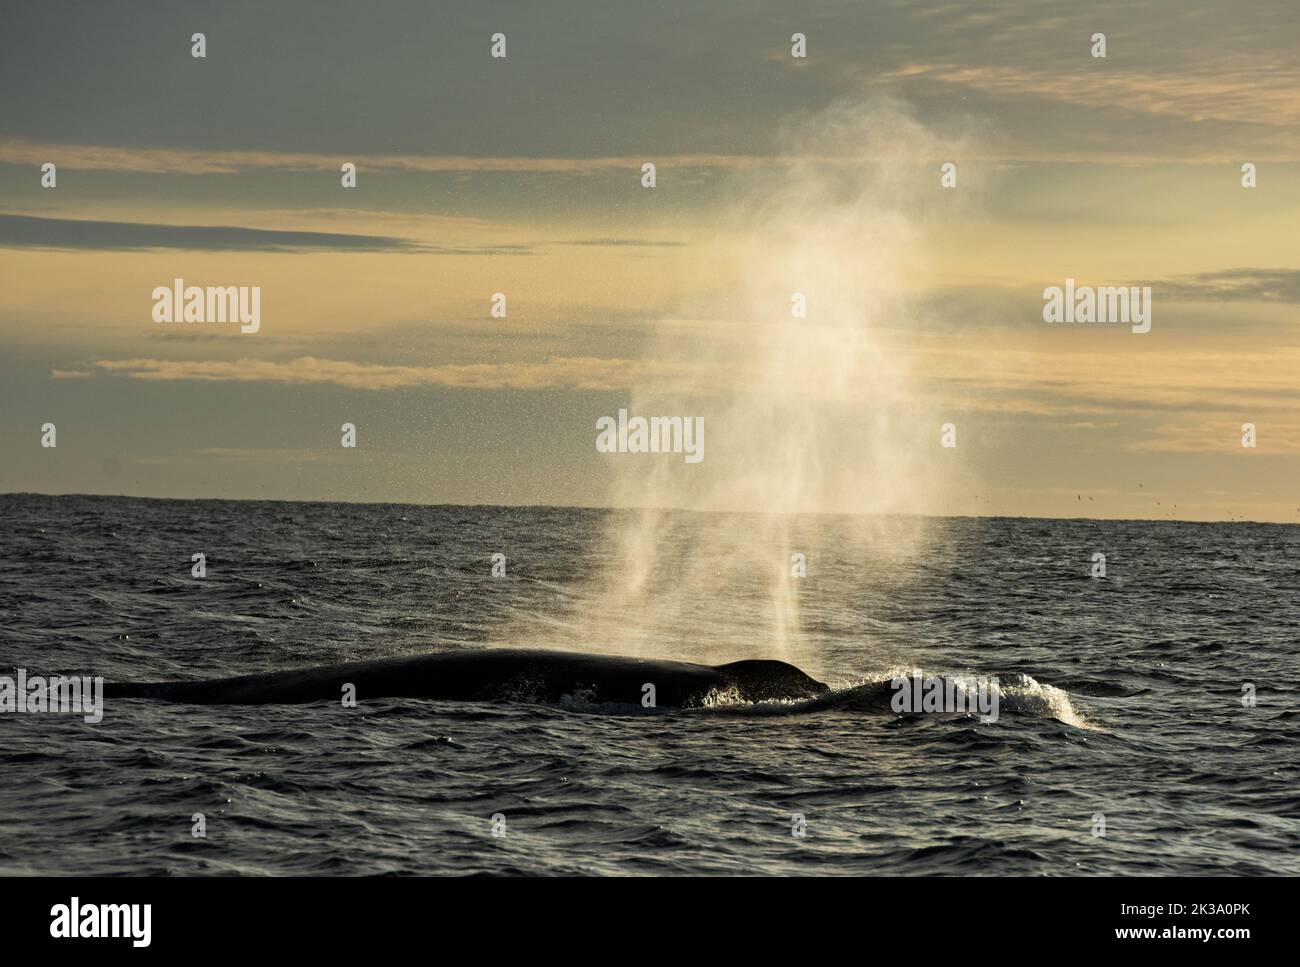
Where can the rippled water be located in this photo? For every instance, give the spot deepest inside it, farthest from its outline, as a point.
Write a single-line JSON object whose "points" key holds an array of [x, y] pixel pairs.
{"points": [[1122, 698]]}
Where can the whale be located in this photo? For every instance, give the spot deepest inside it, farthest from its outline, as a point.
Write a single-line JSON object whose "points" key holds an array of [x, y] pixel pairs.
{"points": [[500, 674]]}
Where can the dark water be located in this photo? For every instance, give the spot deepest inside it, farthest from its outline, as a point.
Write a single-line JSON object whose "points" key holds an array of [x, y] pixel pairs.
{"points": [[1132, 708]]}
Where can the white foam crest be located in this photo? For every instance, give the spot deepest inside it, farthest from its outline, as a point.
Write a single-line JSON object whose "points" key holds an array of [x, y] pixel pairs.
{"points": [[1017, 692], [1024, 693]]}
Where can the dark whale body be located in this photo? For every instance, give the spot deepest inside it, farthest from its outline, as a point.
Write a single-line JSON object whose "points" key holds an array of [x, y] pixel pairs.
{"points": [[498, 674]]}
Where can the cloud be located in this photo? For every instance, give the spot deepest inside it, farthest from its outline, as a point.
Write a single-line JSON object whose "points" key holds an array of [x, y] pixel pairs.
{"points": [[1121, 380], [22, 231], [1261, 93], [622, 242], [587, 373], [1221, 434], [1158, 114], [1235, 285], [187, 161]]}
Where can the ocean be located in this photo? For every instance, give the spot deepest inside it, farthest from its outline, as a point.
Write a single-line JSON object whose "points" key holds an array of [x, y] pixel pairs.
{"points": [[1127, 744]]}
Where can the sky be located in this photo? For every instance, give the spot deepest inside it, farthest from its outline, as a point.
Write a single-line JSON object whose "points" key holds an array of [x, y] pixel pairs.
{"points": [[775, 174]]}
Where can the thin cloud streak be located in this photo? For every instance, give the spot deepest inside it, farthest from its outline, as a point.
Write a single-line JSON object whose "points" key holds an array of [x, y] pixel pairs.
{"points": [[184, 161], [1236, 285], [90, 157], [586, 373], [1253, 93], [23, 231]]}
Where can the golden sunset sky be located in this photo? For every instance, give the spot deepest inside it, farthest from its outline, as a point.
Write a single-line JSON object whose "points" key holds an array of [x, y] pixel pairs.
{"points": [[522, 175]]}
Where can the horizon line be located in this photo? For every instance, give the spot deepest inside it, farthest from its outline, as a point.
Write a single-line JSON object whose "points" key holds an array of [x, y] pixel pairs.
{"points": [[642, 508]]}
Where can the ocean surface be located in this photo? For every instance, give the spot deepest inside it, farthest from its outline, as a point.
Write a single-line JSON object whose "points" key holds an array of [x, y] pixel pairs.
{"points": [[1122, 695]]}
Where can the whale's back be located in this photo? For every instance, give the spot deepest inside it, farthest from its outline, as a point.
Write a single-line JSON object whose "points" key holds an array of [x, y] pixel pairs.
{"points": [[768, 680], [496, 674]]}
